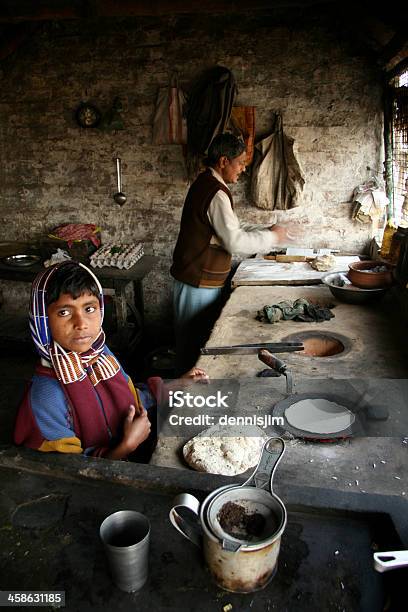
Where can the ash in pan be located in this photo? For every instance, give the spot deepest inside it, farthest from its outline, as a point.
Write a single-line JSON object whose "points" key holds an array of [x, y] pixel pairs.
{"points": [[237, 522]]}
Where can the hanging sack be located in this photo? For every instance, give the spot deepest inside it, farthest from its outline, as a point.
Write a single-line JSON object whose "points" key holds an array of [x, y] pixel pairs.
{"points": [[277, 180], [169, 125]]}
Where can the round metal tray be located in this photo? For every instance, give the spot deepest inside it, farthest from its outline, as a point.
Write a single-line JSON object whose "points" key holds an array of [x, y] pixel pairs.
{"points": [[21, 261]]}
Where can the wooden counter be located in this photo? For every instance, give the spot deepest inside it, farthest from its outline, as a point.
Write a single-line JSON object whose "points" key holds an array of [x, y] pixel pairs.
{"points": [[260, 271]]}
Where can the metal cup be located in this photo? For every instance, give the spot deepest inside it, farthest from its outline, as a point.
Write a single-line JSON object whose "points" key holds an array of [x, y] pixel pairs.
{"points": [[125, 536]]}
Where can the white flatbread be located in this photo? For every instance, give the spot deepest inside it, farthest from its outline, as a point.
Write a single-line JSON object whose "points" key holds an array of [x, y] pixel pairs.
{"points": [[225, 450], [319, 416]]}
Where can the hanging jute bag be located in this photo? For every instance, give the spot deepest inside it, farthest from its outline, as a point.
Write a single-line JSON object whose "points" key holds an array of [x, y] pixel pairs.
{"points": [[169, 125]]}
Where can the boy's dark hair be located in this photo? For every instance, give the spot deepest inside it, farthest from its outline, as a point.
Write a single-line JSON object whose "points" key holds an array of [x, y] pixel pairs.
{"points": [[224, 144], [70, 278]]}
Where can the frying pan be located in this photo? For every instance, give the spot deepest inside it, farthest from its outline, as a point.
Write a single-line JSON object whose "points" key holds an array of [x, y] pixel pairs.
{"points": [[280, 408]]}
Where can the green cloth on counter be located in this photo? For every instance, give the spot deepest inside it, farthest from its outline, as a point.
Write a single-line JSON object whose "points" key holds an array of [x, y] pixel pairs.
{"points": [[299, 310]]}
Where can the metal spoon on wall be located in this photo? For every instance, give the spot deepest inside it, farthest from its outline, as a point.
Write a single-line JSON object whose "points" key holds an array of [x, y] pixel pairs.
{"points": [[119, 197]]}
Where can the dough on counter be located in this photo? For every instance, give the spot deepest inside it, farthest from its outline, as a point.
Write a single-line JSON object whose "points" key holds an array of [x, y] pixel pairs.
{"points": [[323, 263], [225, 450], [319, 415]]}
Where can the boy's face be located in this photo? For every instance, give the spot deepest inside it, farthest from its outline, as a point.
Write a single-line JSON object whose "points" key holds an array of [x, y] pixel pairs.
{"points": [[75, 323]]}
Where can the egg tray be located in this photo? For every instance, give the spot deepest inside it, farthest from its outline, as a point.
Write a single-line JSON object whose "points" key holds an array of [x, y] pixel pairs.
{"points": [[122, 256]]}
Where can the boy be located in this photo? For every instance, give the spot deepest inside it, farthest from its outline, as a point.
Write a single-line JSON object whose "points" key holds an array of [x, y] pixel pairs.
{"points": [[80, 400]]}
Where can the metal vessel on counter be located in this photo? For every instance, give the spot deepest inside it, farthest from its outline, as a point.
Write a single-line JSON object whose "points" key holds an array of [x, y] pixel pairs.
{"points": [[348, 292], [125, 535], [21, 261], [238, 564]]}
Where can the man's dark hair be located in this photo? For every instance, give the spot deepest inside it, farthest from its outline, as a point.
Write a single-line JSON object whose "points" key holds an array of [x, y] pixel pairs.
{"points": [[224, 144], [71, 278]]}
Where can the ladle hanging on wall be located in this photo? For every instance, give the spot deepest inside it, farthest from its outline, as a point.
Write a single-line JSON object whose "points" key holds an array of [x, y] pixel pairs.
{"points": [[119, 197]]}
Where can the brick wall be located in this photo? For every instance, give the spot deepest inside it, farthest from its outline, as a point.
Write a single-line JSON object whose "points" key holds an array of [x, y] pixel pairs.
{"points": [[327, 88]]}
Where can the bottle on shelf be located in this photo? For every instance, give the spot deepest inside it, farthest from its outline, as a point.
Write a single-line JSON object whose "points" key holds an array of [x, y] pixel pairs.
{"points": [[396, 243], [389, 232]]}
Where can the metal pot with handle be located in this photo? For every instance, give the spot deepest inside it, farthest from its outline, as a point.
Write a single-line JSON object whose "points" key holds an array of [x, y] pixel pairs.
{"points": [[239, 527]]}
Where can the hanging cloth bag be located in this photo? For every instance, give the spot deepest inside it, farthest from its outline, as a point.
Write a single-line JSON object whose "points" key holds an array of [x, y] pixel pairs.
{"points": [[169, 125], [277, 180]]}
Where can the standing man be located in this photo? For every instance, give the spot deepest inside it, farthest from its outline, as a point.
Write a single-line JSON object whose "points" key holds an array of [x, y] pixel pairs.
{"points": [[209, 233]]}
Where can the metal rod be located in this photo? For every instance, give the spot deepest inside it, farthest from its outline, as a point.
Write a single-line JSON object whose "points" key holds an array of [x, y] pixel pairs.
{"points": [[252, 349], [118, 174]]}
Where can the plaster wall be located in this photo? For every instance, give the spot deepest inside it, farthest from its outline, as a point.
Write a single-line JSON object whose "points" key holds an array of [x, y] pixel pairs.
{"points": [[327, 87]]}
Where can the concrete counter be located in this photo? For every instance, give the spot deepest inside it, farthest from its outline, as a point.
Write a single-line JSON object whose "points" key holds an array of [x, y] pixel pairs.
{"points": [[375, 362], [51, 508], [373, 462], [341, 497], [375, 339]]}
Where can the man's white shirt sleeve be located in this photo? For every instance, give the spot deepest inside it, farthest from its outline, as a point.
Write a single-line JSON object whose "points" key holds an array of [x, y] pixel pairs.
{"points": [[236, 237]]}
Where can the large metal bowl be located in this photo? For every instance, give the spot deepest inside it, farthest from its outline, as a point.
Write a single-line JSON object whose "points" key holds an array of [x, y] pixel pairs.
{"points": [[350, 293], [21, 261]]}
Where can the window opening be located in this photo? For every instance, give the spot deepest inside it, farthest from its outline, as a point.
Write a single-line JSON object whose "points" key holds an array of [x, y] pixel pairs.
{"points": [[398, 151]]}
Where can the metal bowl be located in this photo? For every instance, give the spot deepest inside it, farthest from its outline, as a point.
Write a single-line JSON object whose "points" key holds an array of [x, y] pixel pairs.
{"points": [[21, 261], [350, 293]]}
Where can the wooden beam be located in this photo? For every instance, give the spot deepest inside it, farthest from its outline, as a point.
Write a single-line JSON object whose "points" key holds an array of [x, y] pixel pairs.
{"points": [[402, 66], [395, 46], [15, 11]]}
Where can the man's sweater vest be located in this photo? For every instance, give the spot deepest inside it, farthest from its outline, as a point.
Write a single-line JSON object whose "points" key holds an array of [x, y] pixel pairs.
{"points": [[196, 261]]}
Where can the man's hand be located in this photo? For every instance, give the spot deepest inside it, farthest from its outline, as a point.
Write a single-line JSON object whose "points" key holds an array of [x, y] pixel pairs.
{"points": [[286, 235]]}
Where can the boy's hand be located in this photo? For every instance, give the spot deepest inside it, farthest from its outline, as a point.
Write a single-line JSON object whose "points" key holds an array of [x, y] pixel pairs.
{"points": [[196, 374], [138, 409], [136, 428]]}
